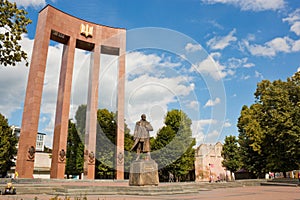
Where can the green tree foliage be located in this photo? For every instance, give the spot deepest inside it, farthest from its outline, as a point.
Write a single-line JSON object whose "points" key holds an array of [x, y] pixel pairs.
{"points": [[250, 140], [128, 143], [270, 129], [13, 24], [8, 143], [105, 141], [173, 146], [106, 144], [230, 154], [80, 117], [75, 150]]}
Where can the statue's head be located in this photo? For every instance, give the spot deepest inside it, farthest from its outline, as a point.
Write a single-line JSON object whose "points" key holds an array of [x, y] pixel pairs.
{"points": [[143, 116]]}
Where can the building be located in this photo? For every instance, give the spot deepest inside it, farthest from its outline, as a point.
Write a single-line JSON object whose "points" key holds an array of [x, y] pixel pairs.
{"points": [[208, 163], [42, 160], [40, 138]]}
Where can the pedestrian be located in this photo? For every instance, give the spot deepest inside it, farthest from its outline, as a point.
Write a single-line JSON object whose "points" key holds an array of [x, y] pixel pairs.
{"points": [[171, 177], [16, 175]]}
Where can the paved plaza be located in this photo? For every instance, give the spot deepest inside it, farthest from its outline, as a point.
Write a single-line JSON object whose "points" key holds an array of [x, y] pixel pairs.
{"points": [[238, 193]]}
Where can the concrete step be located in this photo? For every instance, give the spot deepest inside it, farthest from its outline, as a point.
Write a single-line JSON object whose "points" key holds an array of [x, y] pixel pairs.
{"points": [[282, 182], [79, 188]]}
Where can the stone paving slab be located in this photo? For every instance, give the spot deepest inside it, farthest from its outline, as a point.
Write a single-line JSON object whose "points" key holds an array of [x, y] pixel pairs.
{"points": [[241, 193], [110, 189]]}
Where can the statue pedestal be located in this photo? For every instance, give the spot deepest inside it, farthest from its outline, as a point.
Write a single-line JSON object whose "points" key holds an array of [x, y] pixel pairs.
{"points": [[143, 172]]}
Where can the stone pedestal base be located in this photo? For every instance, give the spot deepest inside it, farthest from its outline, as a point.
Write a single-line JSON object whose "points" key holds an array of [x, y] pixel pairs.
{"points": [[143, 172]]}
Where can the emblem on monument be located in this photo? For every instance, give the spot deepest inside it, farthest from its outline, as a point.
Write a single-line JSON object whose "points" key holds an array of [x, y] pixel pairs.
{"points": [[86, 30], [120, 158], [31, 152], [62, 155], [91, 157]]}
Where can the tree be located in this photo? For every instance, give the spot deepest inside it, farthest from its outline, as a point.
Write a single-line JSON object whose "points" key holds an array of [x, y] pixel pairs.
{"points": [[13, 24], [173, 146], [8, 148], [230, 154], [75, 150], [128, 155], [105, 141], [269, 130], [279, 120], [106, 144], [251, 139], [80, 117]]}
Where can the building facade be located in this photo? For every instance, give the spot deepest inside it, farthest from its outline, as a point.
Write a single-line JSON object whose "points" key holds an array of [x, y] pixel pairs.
{"points": [[208, 163], [40, 138], [42, 161]]}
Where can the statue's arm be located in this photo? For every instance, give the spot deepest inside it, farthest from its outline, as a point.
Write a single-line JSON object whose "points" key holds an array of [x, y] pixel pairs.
{"points": [[135, 134], [149, 127]]}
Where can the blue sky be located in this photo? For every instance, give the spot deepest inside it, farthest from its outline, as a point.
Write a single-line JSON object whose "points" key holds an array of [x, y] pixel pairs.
{"points": [[202, 56]]}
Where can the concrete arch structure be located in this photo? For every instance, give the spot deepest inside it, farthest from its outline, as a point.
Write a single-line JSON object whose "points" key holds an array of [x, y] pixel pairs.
{"points": [[72, 32]]}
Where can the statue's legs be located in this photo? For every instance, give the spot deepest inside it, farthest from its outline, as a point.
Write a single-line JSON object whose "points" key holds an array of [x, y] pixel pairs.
{"points": [[140, 149]]}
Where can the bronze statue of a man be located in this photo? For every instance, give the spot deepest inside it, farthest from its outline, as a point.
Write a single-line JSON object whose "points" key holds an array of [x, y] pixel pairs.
{"points": [[142, 137]]}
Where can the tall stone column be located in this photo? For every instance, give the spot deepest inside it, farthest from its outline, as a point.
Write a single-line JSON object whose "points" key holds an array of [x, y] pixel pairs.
{"points": [[62, 111], [31, 112], [120, 104], [91, 116]]}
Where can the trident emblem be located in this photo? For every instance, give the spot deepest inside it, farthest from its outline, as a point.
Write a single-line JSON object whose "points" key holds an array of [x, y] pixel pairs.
{"points": [[86, 30]]}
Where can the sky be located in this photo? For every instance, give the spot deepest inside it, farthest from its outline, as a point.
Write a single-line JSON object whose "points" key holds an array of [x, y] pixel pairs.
{"points": [[204, 57]]}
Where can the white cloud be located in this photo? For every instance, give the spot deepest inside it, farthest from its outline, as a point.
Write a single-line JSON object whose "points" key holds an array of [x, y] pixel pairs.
{"points": [[254, 5], [210, 67], [227, 124], [298, 70], [245, 77], [33, 3], [144, 94], [192, 47], [260, 50], [239, 62], [296, 46], [139, 63], [271, 48], [259, 75], [13, 82], [215, 24], [211, 102], [198, 127], [152, 83], [204, 122], [294, 20], [211, 137], [280, 44], [193, 104], [296, 28], [221, 42], [249, 65]]}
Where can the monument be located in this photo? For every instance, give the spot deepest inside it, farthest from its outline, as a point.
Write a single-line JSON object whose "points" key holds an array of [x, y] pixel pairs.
{"points": [[143, 171], [72, 32]]}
